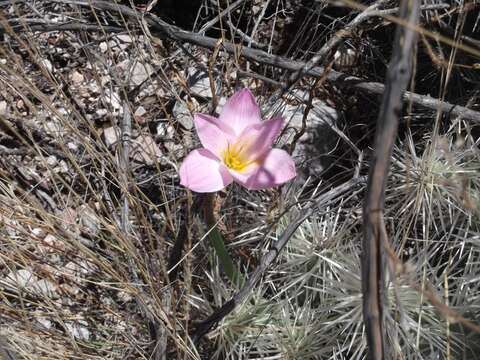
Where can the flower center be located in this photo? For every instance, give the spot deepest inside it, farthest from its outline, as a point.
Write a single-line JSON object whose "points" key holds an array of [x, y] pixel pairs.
{"points": [[234, 159]]}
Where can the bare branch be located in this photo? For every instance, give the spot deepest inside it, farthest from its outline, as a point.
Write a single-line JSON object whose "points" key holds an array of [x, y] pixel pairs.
{"points": [[334, 41], [70, 26], [222, 14], [262, 57], [398, 76]]}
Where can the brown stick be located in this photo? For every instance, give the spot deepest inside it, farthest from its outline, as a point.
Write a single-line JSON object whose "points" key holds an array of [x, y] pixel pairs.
{"points": [[374, 234]]}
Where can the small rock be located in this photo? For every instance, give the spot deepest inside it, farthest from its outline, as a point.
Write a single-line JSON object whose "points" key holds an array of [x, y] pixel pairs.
{"points": [[27, 173], [71, 269], [114, 99], [77, 78], [111, 135], [125, 38], [21, 278], [92, 89], [139, 114], [62, 167], [38, 232], [314, 146], [124, 296], [175, 150], [3, 108], [45, 287], [181, 113], [46, 323], [87, 268], [139, 73], [199, 83], [20, 105], [89, 220], [69, 216], [72, 146], [144, 149], [53, 244], [78, 329], [165, 131], [52, 160], [122, 67], [101, 112], [140, 111], [54, 128], [124, 41], [9, 225], [71, 290], [103, 46], [82, 267]]}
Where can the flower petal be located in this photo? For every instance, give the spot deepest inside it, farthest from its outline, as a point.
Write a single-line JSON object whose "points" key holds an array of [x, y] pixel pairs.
{"points": [[240, 111], [257, 139], [276, 168], [214, 135], [202, 172]]}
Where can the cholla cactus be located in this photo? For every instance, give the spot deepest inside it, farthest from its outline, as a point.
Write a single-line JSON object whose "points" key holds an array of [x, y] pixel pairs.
{"points": [[310, 304]]}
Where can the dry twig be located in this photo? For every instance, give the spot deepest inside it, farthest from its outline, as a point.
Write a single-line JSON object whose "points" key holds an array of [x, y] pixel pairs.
{"points": [[222, 14], [398, 76], [334, 42]]}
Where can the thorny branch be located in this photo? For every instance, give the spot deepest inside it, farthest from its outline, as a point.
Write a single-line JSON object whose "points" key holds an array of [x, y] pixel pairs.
{"points": [[374, 234]]}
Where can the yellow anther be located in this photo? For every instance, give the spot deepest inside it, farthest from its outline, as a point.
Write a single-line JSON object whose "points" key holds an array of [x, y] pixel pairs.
{"points": [[234, 159]]}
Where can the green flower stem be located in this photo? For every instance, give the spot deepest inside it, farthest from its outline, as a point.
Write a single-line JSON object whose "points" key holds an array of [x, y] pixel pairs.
{"points": [[216, 240]]}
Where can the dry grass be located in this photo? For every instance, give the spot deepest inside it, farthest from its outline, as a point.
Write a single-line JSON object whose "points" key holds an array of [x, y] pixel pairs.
{"points": [[85, 239]]}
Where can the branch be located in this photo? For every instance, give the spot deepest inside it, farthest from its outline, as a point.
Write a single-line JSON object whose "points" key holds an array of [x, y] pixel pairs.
{"points": [[173, 32], [374, 234], [337, 38], [69, 26], [220, 16], [334, 42]]}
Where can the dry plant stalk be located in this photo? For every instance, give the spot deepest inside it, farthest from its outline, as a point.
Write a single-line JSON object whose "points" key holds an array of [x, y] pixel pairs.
{"points": [[398, 76]]}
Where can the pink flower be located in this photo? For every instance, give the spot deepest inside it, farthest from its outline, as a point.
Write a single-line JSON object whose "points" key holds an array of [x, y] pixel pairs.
{"points": [[237, 147]]}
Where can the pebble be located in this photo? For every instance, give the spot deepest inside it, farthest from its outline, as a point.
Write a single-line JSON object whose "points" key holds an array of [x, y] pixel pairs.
{"points": [[181, 113]]}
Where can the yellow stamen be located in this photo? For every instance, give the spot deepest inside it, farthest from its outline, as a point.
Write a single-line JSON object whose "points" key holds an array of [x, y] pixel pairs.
{"points": [[234, 159]]}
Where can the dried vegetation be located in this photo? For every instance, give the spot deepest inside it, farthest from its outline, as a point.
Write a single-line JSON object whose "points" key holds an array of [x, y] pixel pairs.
{"points": [[103, 255]]}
